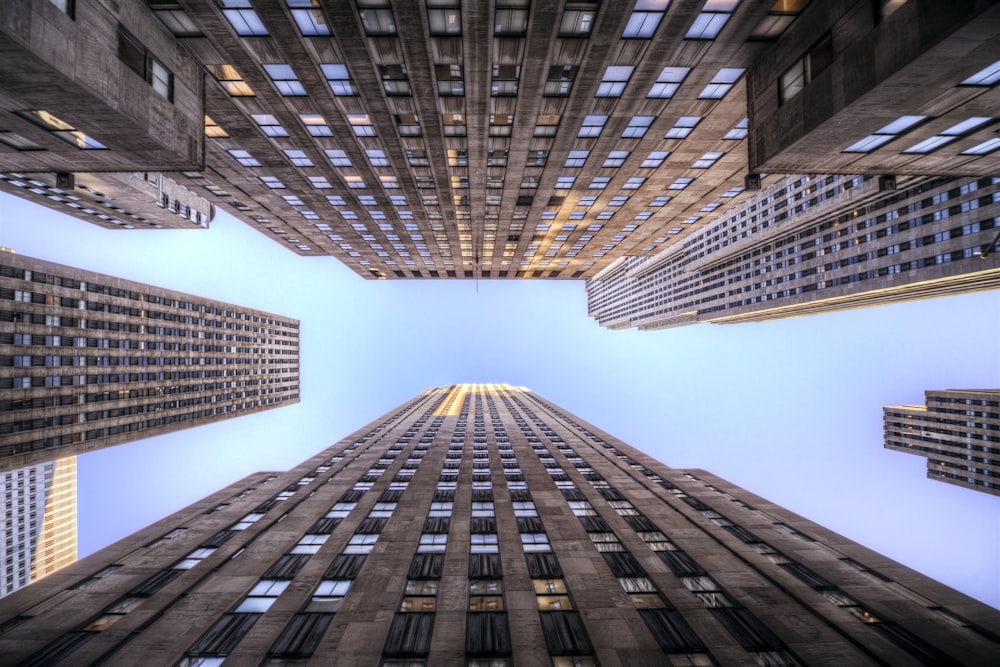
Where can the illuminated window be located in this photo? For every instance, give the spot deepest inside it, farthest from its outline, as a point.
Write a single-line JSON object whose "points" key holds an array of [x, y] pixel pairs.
{"points": [[721, 83], [284, 80], [308, 17], [682, 128], [243, 18], [269, 125], [444, 18], [316, 125], [614, 81], [231, 80], [592, 126], [361, 123], [713, 17], [886, 134], [63, 130], [645, 18], [338, 78]]}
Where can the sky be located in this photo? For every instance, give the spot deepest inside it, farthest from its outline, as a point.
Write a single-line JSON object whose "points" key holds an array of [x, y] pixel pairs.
{"points": [[790, 410]]}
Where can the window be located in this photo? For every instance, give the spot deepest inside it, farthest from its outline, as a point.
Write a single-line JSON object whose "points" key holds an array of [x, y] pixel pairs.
{"points": [[707, 160], [301, 636], [308, 17], [560, 80], [444, 17], [634, 183], [63, 130], [454, 124], [376, 157], [680, 183], [315, 125], [272, 182], [988, 76], [262, 596], [338, 78], [578, 19], [738, 132], [505, 80], [886, 134], [614, 81], [709, 23], [142, 62], [361, 123], [599, 182], [671, 631], [949, 135], [409, 634], [487, 633], [721, 83], [654, 159], [637, 127], [338, 158], [501, 124], [450, 81], [805, 69], [592, 126], [682, 128], [984, 148], [668, 82], [395, 80], [615, 159], [243, 18], [284, 79], [269, 125], [782, 14], [564, 632], [645, 18], [376, 17], [511, 18], [577, 158], [244, 158]]}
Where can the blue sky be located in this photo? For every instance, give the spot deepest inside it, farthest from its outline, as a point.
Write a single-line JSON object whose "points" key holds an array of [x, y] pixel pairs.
{"points": [[790, 410]]}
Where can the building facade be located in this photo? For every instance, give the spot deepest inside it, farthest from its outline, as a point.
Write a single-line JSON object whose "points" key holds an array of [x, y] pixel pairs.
{"points": [[511, 140], [38, 529], [89, 360], [483, 525], [958, 430], [813, 244]]}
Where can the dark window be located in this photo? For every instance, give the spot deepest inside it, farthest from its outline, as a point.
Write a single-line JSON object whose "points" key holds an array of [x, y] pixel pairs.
{"points": [[345, 566], [409, 634], [611, 494], [487, 633], [912, 644], [324, 526], [543, 566], [742, 533], [426, 566], [224, 634], [482, 495], [390, 496], [484, 524], [485, 566], [58, 649], [811, 579], [695, 503], [746, 629], [371, 526], [444, 496], [640, 523], [576, 494], [671, 631], [351, 496], [218, 539], [595, 524], [680, 563], [520, 495], [530, 524], [286, 567], [154, 583], [623, 564], [564, 632], [301, 636], [438, 524]]}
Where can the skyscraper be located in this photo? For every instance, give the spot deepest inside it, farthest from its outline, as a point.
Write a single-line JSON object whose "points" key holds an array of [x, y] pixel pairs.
{"points": [[513, 140], [89, 360], [38, 529], [958, 430], [483, 525], [813, 244]]}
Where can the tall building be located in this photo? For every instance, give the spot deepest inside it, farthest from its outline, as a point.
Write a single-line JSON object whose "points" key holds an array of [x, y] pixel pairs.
{"points": [[38, 529], [510, 140], [483, 525], [958, 430], [89, 360], [813, 244]]}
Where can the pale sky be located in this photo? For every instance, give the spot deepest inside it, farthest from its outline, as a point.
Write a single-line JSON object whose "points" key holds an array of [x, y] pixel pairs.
{"points": [[790, 410]]}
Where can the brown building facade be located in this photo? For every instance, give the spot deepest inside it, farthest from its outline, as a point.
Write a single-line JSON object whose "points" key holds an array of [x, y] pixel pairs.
{"points": [[482, 525], [89, 360], [958, 430]]}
